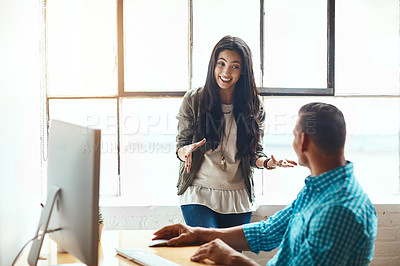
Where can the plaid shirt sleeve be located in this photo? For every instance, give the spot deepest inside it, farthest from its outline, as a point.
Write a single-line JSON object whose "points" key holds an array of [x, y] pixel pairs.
{"points": [[334, 234], [267, 235]]}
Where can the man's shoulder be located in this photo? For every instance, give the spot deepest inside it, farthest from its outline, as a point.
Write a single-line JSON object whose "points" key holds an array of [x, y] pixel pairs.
{"points": [[357, 205]]}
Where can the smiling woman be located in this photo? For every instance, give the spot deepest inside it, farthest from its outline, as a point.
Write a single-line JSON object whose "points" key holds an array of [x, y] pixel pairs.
{"points": [[220, 129], [227, 72], [215, 164]]}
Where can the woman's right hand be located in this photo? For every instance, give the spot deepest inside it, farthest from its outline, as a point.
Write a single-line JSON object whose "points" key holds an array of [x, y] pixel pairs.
{"points": [[187, 150]]}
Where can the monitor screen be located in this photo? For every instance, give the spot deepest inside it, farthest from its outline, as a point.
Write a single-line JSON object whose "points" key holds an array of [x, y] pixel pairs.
{"points": [[72, 205]]}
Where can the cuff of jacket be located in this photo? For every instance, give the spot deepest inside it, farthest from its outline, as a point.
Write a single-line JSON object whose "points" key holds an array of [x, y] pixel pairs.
{"points": [[258, 157]]}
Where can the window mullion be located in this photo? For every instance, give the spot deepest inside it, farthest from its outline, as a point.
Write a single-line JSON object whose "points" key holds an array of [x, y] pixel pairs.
{"points": [[121, 80], [331, 45], [190, 35], [262, 14], [120, 45]]}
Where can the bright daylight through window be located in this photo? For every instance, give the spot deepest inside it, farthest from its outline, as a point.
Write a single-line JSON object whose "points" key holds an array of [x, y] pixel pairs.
{"points": [[124, 66]]}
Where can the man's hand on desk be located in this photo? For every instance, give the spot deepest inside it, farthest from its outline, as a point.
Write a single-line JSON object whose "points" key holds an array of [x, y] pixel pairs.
{"points": [[214, 248], [221, 253], [179, 234]]}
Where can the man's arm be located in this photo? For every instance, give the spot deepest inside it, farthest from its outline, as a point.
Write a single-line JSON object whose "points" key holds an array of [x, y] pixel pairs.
{"points": [[220, 246], [180, 235], [267, 235], [221, 253]]}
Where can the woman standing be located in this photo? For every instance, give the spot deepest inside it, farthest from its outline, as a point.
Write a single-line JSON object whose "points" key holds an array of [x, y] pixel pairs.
{"points": [[220, 127]]}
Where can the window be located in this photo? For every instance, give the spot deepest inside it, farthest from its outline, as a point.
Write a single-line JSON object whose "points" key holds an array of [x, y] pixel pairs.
{"points": [[155, 45], [124, 65], [81, 48], [214, 19], [371, 141], [149, 165], [295, 37], [98, 113], [367, 48], [82, 74]]}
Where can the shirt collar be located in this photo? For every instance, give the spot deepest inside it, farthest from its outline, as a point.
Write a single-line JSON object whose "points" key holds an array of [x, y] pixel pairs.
{"points": [[324, 180]]}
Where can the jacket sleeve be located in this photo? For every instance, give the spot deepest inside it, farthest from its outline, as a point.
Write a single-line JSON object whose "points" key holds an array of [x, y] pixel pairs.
{"points": [[186, 119], [259, 148]]}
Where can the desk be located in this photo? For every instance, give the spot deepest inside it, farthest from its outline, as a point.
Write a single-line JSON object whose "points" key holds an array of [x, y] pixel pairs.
{"points": [[111, 239]]}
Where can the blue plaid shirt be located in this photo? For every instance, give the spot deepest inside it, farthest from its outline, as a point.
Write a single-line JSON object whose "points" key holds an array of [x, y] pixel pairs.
{"points": [[332, 222]]}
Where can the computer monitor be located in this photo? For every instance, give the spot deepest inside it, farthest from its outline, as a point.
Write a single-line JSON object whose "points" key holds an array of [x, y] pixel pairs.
{"points": [[72, 204]]}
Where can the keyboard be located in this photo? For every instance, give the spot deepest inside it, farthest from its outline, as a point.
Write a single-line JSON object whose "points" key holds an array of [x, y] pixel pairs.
{"points": [[143, 257]]}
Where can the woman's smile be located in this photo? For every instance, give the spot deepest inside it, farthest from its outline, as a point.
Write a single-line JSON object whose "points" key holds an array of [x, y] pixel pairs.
{"points": [[228, 69]]}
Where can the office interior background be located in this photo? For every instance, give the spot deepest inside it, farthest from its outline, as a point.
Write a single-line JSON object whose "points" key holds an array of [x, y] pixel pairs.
{"points": [[62, 59]]}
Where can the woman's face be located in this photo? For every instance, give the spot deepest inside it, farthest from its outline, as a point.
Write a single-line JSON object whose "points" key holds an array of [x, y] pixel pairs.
{"points": [[228, 69]]}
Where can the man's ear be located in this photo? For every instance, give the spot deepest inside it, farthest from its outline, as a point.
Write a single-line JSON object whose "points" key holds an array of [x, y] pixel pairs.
{"points": [[304, 142]]}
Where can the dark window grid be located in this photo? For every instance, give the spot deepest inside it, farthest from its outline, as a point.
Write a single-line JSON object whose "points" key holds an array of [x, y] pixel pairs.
{"points": [[264, 91]]}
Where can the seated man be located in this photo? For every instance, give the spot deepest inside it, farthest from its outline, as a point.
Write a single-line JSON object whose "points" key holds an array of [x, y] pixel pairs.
{"points": [[332, 221]]}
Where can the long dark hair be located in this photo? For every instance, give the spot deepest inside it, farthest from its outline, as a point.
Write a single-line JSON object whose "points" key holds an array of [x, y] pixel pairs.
{"points": [[246, 103]]}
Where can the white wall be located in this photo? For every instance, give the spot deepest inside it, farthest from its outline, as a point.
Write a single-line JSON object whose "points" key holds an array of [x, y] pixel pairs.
{"points": [[19, 124]]}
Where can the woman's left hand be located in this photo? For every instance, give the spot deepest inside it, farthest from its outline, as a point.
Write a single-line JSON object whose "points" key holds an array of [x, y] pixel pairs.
{"points": [[273, 163]]}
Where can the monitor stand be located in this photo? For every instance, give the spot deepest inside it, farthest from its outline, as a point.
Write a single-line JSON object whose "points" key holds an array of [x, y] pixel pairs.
{"points": [[34, 253]]}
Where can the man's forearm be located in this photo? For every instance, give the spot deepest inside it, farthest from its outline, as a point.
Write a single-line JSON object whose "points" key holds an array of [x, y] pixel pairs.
{"points": [[241, 260], [233, 236]]}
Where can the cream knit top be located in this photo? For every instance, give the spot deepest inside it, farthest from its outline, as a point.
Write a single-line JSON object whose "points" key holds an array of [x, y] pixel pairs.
{"points": [[221, 191]]}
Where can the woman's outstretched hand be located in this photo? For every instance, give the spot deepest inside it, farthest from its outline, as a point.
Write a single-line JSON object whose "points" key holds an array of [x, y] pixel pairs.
{"points": [[187, 152], [273, 163]]}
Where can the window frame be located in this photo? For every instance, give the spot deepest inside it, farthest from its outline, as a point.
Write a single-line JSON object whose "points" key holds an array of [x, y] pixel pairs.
{"points": [[329, 90], [264, 91]]}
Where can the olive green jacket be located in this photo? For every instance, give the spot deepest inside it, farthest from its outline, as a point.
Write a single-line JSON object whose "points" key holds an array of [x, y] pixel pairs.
{"points": [[188, 115]]}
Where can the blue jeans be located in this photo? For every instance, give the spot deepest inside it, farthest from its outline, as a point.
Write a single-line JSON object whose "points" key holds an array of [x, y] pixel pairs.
{"points": [[199, 215]]}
